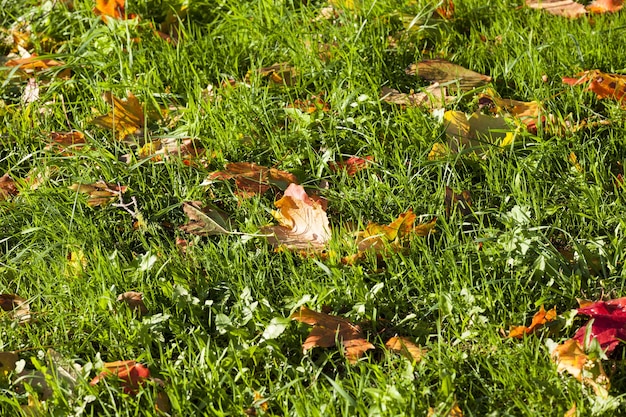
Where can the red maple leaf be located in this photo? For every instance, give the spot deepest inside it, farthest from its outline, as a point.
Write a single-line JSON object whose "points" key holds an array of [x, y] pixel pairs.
{"points": [[609, 323]]}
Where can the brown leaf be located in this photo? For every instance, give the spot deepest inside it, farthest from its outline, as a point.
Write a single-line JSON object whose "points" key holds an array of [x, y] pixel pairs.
{"points": [[565, 8], [462, 201], [611, 86], [204, 221], [134, 301], [303, 224], [33, 63], [16, 306], [478, 133], [61, 140], [126, 118], [251, 179], [446, 10], [282, 74], [528, 112], [569, 356], [405, 347], [163, 149], [432, 97], [539, 319], [7, 187], [328, 330], [100, 193], [445, 72], [311, 105]]}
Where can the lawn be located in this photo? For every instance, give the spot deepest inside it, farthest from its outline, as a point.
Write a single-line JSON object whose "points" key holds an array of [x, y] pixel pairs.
{"points": [[270, 207]]}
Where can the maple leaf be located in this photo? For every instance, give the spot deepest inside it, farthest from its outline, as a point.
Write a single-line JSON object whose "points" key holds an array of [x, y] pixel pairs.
{"points": [[445, 72], [432, 97], [100, 193], [328, 330], [7, 187], [351, 165], [16, 306], [132, 375], [303, 223], [569, 356], [126, 118], [528, 112], [608, 325], [204, 220], [134, 301], [251, 179], [604, 85], [405, 347], [539, 319], [112, 9], [477, 132], [377, 237]]}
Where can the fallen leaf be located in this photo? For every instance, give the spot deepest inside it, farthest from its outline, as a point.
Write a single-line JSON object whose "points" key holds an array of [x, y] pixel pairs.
{"points": [[33, 63], [163, 149], [565, 8], [454, 411], [204, 220], [446, 9], [448, 74], [282, 74], [328, 330], [62, 140], [16, 307], [311, 105], [608, 325], [7, 187], [605, 6], [8, 361], [438, 151], [134, 301], [405, 347], [528, 112], [99, 193], [302, 222], [571, 412], [432, 97], [31, 91], [377, 237], [604, 85], [539, 319], [569, 356], [126, 118], [351, 165], [251, 179], [132, 375], [462, 201], [112, 9], [478, 132]]}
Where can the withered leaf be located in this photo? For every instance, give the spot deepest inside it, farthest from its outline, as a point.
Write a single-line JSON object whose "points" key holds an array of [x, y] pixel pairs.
{"points": [[432, 97], [302, 222], [569, 356], [328, 330], [132, 374], [528, 112], [479, 132], [99, 193], [7, 187], [134, 301], [539, 319], [33, 63], [405, 347], [608, 326], [448, 74], [8, 360], [604, 85], [282, 74], [251, 179], [462, 201], [205, 220], [565, 8], [126, 117], [376, 236], [16, 307], [351, 165], [112, 9], [163, 149], [605, 6]]}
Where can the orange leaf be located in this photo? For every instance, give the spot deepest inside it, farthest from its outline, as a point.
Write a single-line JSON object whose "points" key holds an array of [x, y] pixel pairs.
{"points": [[111, 8], [303, 223], [569, 356], [605, 85], [352, 165], [251, 179], [7, 187], [126, 118], [376, 236], [605, 6], [34, 63], [405, 347], [539, 319], [328, 330], [446, 10], [132, 374], [134, 301]]}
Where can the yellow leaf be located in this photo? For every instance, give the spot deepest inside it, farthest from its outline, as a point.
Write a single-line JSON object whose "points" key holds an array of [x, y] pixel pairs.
{"points": [[405, 347], [126, 117]]}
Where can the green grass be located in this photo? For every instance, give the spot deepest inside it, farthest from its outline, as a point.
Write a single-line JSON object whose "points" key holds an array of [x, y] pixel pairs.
{"points": [[451, 292]]}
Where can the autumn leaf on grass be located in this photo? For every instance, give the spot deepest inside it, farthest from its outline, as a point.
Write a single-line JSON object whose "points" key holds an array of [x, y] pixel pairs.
{"points": [[462, 201], [611, 86], [539, 319], [528, 112], [112, 9], [126, 118], [8, 361], [328, 330], [351, 165], [134, 301], [446, 9], [16, 307], [7, 187], [33, 63], [605, 6], [302, 222], [132, 375], [448, 74], [205, 220], [565, 8], [311, 105], [281, 74], [405, 347], [570, 357], [608, 324], [378, 237], [187, 149], [432, 97], [100, 193], [251, 179]]}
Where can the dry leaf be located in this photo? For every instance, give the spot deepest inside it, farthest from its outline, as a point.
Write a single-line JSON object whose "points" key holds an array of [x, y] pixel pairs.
{"points": [[100, 193], [33, 63], [455, 411], [112, 9], [303, 223], [405, 347], [163, 149], [432, 97], [462, 201], [134, 301], [328, 330], [126, 118], [528, 112], [204, 221], [571, 412], [281, 74], [311, 105], [565, 8], [446, 9], [569, 356], [539, 319], [448, 74], [31, 91], [605, 6], [478, 132], [608, 326], [7, 187], [16, 307], [132, 374], [351, 165], [611, 86], [251, 179], [61, 140], [378, 237]]}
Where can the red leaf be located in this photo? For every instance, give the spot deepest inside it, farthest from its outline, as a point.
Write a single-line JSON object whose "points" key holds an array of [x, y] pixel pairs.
{"points": [[609, 323], [131, 374]]}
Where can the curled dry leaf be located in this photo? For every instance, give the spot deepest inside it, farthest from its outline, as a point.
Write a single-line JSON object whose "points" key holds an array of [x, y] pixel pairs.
{"points": [[303, 224], [100, 193], [132, 374], [126, 117], [112, 9], [432, 97], [569, 356], [7, 187], [528, 112], [204, 220], [328, 330], [16, 307], [448, 74], [405, 347], [134, 301], [608, 325], [351, 165], [604, 85], [539, 319], [163, 149], [251, 179], [34, 64]]}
